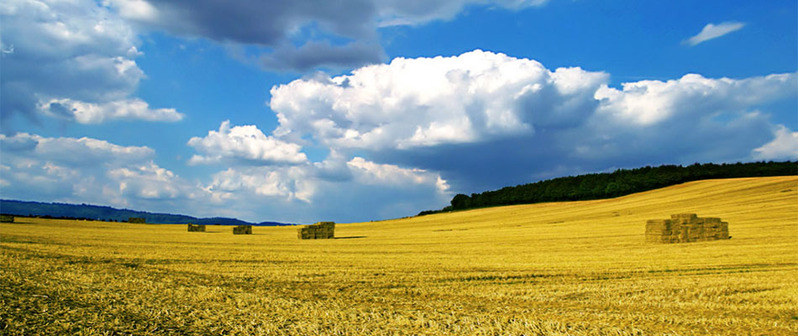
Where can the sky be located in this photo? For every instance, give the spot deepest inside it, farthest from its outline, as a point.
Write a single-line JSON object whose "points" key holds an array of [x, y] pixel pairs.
{"points": [[358, 110]]}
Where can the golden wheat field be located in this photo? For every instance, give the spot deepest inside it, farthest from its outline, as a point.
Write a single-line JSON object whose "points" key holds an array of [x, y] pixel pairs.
{"points": [[579, 268]]}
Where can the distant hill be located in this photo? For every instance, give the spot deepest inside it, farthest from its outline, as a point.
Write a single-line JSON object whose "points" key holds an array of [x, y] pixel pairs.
{"points": [[105, 213], [618, 183]]}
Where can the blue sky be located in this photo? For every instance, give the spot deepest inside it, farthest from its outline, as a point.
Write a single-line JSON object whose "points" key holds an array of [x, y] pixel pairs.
{"points": [[303, 111]]}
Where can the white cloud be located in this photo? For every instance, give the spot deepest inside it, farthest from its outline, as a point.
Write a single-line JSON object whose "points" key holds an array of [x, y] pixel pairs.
{"points": [[650, 101], [71, 151], [309, 192], [712, 31], [89, 113], [783, 147], [302, 182], [424, 102], [245, 143], [77, 54], [138, 10], [86, 170], [484, 120], [89, 170], [372, 173], [286, 183], [149, 181]]}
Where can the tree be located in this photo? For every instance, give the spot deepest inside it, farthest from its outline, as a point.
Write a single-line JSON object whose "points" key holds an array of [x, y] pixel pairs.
{"points": [[460, 201]]}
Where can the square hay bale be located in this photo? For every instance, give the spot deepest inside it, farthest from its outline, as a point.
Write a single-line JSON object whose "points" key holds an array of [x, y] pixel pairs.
{"points": [[196, 228], [6, 219], [684, 218], [682, 228], [658, 226], [242, 229], [305, 233], [320, 230]]}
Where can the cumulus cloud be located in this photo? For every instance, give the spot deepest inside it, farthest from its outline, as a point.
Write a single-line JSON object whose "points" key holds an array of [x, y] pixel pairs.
{"points": [[308, 192], [286, 183], [268, 175], [244, 143], [71, 151], [75, 54], [89, 113], [649, 102], [486, 120], [712, 31], [783, 147], [149, 181], [87, 170], [423, 102], [372, 173]]}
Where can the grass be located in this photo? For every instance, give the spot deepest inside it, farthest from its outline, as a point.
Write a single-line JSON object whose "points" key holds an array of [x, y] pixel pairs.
{"points": [[580, 268]]}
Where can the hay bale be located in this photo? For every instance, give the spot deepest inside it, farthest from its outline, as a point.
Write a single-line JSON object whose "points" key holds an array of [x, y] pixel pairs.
{"points": [[6, 219], [320, 230], [686, 218], [196, 228], [137, 220], [683, 228], [242, 229], [658, 226]]}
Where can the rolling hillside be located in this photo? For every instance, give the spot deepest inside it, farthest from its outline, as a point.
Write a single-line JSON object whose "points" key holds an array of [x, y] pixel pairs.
{"points": [[744, 202], [575, 268]]}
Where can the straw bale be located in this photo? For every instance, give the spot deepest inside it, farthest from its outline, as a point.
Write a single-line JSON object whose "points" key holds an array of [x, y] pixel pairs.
{"points": [[686, 216], [686, 227], [658, 226], [320, 230], [196, 228], [242, 229]]}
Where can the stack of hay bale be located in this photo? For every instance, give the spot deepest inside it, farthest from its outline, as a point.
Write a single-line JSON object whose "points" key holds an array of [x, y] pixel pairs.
{"points": [[6, 219], [683, 228], [242, 229], [320, 230], [196, 228], [137, 220]]}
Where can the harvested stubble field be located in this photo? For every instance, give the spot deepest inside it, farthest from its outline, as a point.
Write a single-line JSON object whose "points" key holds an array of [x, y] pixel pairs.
{"points": [[547, 269]]}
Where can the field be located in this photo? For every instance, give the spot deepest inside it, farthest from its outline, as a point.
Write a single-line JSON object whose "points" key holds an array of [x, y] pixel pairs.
{"points": [[580, 268]]}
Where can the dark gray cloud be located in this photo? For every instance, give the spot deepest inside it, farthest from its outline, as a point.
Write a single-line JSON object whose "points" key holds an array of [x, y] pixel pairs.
{"points": [[275, 25], [322, 55], [271, 22], [279, 26], [265, 23]]}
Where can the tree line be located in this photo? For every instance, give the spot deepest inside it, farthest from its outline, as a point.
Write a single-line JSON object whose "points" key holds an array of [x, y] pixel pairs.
{"points": [[618, 183], [106, 213]]}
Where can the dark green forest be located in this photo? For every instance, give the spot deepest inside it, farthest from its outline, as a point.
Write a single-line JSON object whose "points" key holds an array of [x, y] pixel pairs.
{"points": [[618, 183]]}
